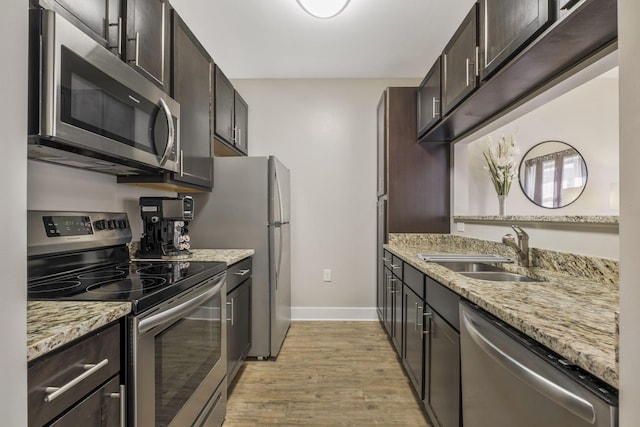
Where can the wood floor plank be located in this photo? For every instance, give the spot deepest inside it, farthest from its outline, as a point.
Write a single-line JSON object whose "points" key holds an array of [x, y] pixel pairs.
{"points": [[327, 374]]}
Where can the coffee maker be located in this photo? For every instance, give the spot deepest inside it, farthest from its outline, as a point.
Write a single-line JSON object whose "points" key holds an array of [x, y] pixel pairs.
{"points": [[165, 221]]}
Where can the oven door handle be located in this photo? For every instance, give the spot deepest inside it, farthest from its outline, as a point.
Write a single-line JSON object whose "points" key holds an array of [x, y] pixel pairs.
{"points": [[180, 310]]}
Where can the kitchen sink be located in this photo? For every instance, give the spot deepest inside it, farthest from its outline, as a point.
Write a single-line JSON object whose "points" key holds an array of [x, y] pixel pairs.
{"points": [[498, 276], [469, 266]]}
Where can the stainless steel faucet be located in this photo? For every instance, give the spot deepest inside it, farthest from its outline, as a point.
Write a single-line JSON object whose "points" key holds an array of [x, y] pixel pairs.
{"points": [[521, 247]]}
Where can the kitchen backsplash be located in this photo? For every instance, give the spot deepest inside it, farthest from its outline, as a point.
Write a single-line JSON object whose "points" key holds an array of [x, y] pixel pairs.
{"points": [[593, 268]]}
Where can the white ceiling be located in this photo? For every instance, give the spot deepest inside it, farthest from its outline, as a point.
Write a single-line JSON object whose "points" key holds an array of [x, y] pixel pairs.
{"points": [[277, 39]]}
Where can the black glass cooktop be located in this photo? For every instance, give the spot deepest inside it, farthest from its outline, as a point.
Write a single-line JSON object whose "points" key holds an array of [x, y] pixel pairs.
{"points": [[143, 283]]}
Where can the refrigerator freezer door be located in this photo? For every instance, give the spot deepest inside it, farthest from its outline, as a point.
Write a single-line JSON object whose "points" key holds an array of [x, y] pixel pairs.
{"points": [[279, 192], [280, 260]]}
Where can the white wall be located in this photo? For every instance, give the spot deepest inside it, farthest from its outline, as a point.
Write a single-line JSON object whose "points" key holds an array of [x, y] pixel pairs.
{"points": [[13, 122], [54, 187], [629, 40], [324, 131], [586, 118]]}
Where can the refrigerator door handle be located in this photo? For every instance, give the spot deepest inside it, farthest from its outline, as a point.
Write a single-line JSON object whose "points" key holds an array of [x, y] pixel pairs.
{"points": [[277, 179], [278, 226]]}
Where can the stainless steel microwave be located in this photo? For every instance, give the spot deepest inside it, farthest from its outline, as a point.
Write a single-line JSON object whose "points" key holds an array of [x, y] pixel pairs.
{"points": [[89, 109]]}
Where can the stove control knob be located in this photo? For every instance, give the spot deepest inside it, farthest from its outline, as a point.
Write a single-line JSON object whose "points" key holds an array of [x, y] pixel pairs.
{"points": [[187, 238], [111, 224], [99, 225]]}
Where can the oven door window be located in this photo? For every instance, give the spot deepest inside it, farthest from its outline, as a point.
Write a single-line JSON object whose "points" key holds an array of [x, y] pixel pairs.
{"points": [[185, 353], [95, 102]]}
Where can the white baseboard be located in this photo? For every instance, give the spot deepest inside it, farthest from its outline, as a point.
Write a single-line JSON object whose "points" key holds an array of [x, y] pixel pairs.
{"points": [[334, 313]]}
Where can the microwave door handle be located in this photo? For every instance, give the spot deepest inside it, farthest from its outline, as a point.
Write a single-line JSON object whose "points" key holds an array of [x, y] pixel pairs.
{"points": [[171, 140]]}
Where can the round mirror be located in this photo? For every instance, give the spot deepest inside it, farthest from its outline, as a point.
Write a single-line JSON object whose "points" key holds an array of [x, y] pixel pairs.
{"points": [[553, 174]]}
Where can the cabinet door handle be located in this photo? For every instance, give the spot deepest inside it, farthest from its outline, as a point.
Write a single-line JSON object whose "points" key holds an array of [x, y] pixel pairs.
{"points": [[467, 61], [123, 405], [418, 310], [54, 392], [436, 103], [427, 315], [137, 57], [231, 304], [181, 163], [241, 272], [395, 266], [386, 259], [118, 45]]}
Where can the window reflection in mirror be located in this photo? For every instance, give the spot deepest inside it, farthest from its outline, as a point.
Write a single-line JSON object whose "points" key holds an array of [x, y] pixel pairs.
{"points": [[553, 174]]}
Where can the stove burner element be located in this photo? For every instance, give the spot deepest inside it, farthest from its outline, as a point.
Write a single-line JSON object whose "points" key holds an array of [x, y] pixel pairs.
{"points": [[44, 288], [127, 286], [108, 274]]}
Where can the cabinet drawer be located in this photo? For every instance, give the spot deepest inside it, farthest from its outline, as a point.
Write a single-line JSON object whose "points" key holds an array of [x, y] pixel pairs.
{"points": [[101, 408], [396, 266], [238, 273], [444, 301], [387, 258], [64, 366], [414, 279]]}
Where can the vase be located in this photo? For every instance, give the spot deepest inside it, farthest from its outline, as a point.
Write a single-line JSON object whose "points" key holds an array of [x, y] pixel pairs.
{"points": [[502, 204]]}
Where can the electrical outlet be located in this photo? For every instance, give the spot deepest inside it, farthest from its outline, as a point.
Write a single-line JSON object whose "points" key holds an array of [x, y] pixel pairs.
{"points": [[460, 226], [326, 275]]}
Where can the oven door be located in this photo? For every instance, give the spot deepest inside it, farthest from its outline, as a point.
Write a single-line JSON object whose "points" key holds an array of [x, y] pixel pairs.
{"points": [[179, 357], [93, 104]]}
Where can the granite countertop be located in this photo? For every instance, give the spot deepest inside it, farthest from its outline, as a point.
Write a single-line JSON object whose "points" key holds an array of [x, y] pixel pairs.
{"points": [[52, 324], [573, 316], [228, 256]]}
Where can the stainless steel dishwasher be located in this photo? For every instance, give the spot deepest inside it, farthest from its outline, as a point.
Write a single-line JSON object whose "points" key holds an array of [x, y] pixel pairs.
{"points": [[508, 379]]}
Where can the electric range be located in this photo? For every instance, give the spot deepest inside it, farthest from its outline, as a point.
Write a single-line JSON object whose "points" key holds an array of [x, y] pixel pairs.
{"points": [[102, 272], [175, 341]]}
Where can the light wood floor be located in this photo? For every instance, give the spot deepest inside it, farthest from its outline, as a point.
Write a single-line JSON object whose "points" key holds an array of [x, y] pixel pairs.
{"points": [[327, 374]]}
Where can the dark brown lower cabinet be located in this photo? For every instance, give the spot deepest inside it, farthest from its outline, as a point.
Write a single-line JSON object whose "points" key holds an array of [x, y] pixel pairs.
{"points": [[443, 399], [238, 327], [100, 408], [415, 344], [95, 400]]}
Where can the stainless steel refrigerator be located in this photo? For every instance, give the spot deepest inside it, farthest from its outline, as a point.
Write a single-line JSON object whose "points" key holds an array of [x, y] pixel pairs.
{"points": [[249, 209]]}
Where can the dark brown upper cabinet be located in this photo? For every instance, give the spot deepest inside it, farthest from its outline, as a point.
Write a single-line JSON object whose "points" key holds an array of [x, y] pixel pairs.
{"points": [[533, 45], [192, 87], [231, 118], [147, 35], [224, 99], [241, 116], [429, 99], [382, 145], [506, 26], [460, 63], [100, 19]]}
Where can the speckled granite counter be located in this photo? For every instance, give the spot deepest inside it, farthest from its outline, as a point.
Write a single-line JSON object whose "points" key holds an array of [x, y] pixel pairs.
{"points": [[572, 315], [229, 256], [51, 324]]}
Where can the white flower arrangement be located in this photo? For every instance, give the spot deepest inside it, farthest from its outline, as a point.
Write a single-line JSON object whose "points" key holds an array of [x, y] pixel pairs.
{"points": [[501, 164]]}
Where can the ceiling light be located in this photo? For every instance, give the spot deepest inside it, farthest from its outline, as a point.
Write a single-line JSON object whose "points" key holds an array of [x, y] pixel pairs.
{"points": [[323, 9]]}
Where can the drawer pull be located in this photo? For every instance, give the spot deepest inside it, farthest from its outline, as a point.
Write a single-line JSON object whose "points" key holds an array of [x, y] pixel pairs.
{"points": [[54, 392], [395, 266], [241, 272]]}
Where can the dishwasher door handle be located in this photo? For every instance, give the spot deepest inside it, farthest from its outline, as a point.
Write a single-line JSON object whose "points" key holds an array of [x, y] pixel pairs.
{"points": [[548, 388]]}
